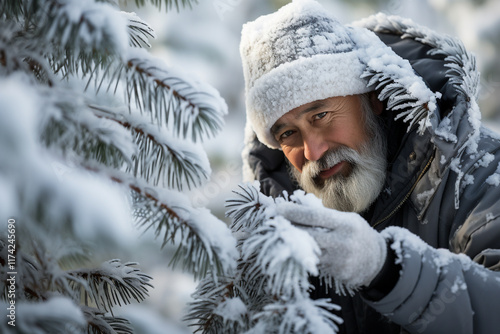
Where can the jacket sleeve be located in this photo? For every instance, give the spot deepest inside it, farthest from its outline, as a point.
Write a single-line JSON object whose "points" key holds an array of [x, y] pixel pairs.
{"points": [[439, 291]]}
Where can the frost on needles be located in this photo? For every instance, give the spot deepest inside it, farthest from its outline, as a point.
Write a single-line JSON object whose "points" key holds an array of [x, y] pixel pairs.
{"points": [[95, 133], [269, 290]]}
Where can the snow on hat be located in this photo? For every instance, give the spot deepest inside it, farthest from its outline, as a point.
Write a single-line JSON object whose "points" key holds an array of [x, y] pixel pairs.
{"points": [[294, 56]]}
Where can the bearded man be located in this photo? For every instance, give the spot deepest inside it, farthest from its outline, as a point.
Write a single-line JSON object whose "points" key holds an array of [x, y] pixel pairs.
{"points": [[379, 119]]}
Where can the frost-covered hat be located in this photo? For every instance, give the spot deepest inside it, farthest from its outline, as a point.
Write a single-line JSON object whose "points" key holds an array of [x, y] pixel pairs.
{"points": [[294, 56]]}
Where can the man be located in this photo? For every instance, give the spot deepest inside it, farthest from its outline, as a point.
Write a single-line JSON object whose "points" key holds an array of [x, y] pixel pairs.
{"points": [[379, 120]]}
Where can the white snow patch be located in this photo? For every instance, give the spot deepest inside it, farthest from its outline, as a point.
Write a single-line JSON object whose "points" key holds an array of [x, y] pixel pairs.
{"points": [[494, 179], [231, 309], [423, 197], [60, 309], [467, 180], [444, 130], [485, 160], [459, 284], [309, 200], [99, 23], [215, 234], [401, 239], [286, 243]]}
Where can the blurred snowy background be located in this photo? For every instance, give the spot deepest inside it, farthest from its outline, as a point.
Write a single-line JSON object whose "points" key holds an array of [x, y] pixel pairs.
{"points": [[203, 41]]}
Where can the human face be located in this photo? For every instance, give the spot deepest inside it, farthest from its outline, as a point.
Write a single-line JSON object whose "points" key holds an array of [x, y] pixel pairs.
{"points": [[307, 132], [350, 172]]}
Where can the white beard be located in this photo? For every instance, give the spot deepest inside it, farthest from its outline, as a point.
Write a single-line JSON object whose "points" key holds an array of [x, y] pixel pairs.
{"points": [[357, 190]]}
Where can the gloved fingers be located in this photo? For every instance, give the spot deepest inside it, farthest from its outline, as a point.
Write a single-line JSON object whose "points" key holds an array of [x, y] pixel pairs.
{"points": [[301, 214], [313, 216]]}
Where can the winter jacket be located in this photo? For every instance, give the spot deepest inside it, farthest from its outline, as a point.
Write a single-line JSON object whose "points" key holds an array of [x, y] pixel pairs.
{"points": [[440, 207]]}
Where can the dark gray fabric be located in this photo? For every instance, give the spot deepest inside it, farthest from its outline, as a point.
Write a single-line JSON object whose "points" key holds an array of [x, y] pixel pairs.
{"points": [[430, 296]]}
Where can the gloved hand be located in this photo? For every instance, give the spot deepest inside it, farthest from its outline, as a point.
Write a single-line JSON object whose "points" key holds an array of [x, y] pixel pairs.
{"points": [[352, 252]]}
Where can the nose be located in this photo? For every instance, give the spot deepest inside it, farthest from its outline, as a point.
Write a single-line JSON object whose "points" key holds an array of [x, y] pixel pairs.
{"points": [[314, 147]]}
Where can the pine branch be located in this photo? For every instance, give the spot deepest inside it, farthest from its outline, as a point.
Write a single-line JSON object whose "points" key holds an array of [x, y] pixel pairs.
{"points": [[42, 275], [112, 284], [187, 108], [18, 54], [88, 27], [247, 209], [11, 9], [98, 323], [160, 159], [271, 277], [210, 297], [299, 316], [72, 128], [139, 31], [167, 3], [196, 254], [85, 38]]}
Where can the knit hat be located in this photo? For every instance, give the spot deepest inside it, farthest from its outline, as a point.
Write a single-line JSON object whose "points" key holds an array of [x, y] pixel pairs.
{"points": [[294, 56]]}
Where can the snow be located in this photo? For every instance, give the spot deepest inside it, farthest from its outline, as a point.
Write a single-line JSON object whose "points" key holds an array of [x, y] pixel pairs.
{"points": [[60, 309], [93, 227], [80, 196], [382, 60], [458, 285], [302, 316], [308, 200], [231, 309], [283, 246], [99, 24], [108, 131], [494, 179], [148, 320], [215, 234], [18, 129], [423, 197], [169, 150], [197, 92], [444, 130], [84, 195], [402, 238], [485, 160]]}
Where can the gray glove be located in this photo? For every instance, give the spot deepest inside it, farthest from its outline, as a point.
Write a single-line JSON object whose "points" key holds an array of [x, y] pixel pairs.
{"points": [[352, 252]]}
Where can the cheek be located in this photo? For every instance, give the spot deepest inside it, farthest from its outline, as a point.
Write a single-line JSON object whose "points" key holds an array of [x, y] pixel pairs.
{"points": [[295, 156]]}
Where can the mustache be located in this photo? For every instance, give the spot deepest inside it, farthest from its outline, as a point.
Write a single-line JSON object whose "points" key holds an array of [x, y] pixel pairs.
{"points": [[331, 158]]}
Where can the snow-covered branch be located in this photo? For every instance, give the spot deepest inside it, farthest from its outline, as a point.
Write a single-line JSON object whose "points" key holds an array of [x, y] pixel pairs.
{"points": [[269, 292], [57, 315], [86, 26], [168, 4], [72, 154], [139, 30], [99, 323], [188, 108], [18, 54], [299, 316], [159, 158], [204, 241], [218, 307], [72, 128], [247, 210], [113, 283]]}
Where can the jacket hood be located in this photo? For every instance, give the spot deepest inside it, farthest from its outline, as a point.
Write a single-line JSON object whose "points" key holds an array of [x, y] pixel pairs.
{"points": [[454, 124], [449, 70]]}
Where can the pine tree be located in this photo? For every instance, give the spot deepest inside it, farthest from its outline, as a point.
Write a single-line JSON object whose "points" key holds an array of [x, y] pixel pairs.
{"points": [[80, 95], [269, 290]]}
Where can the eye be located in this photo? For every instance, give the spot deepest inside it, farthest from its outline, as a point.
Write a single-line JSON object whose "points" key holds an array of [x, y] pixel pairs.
{"points": [[320, 115], [286, 134]]}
